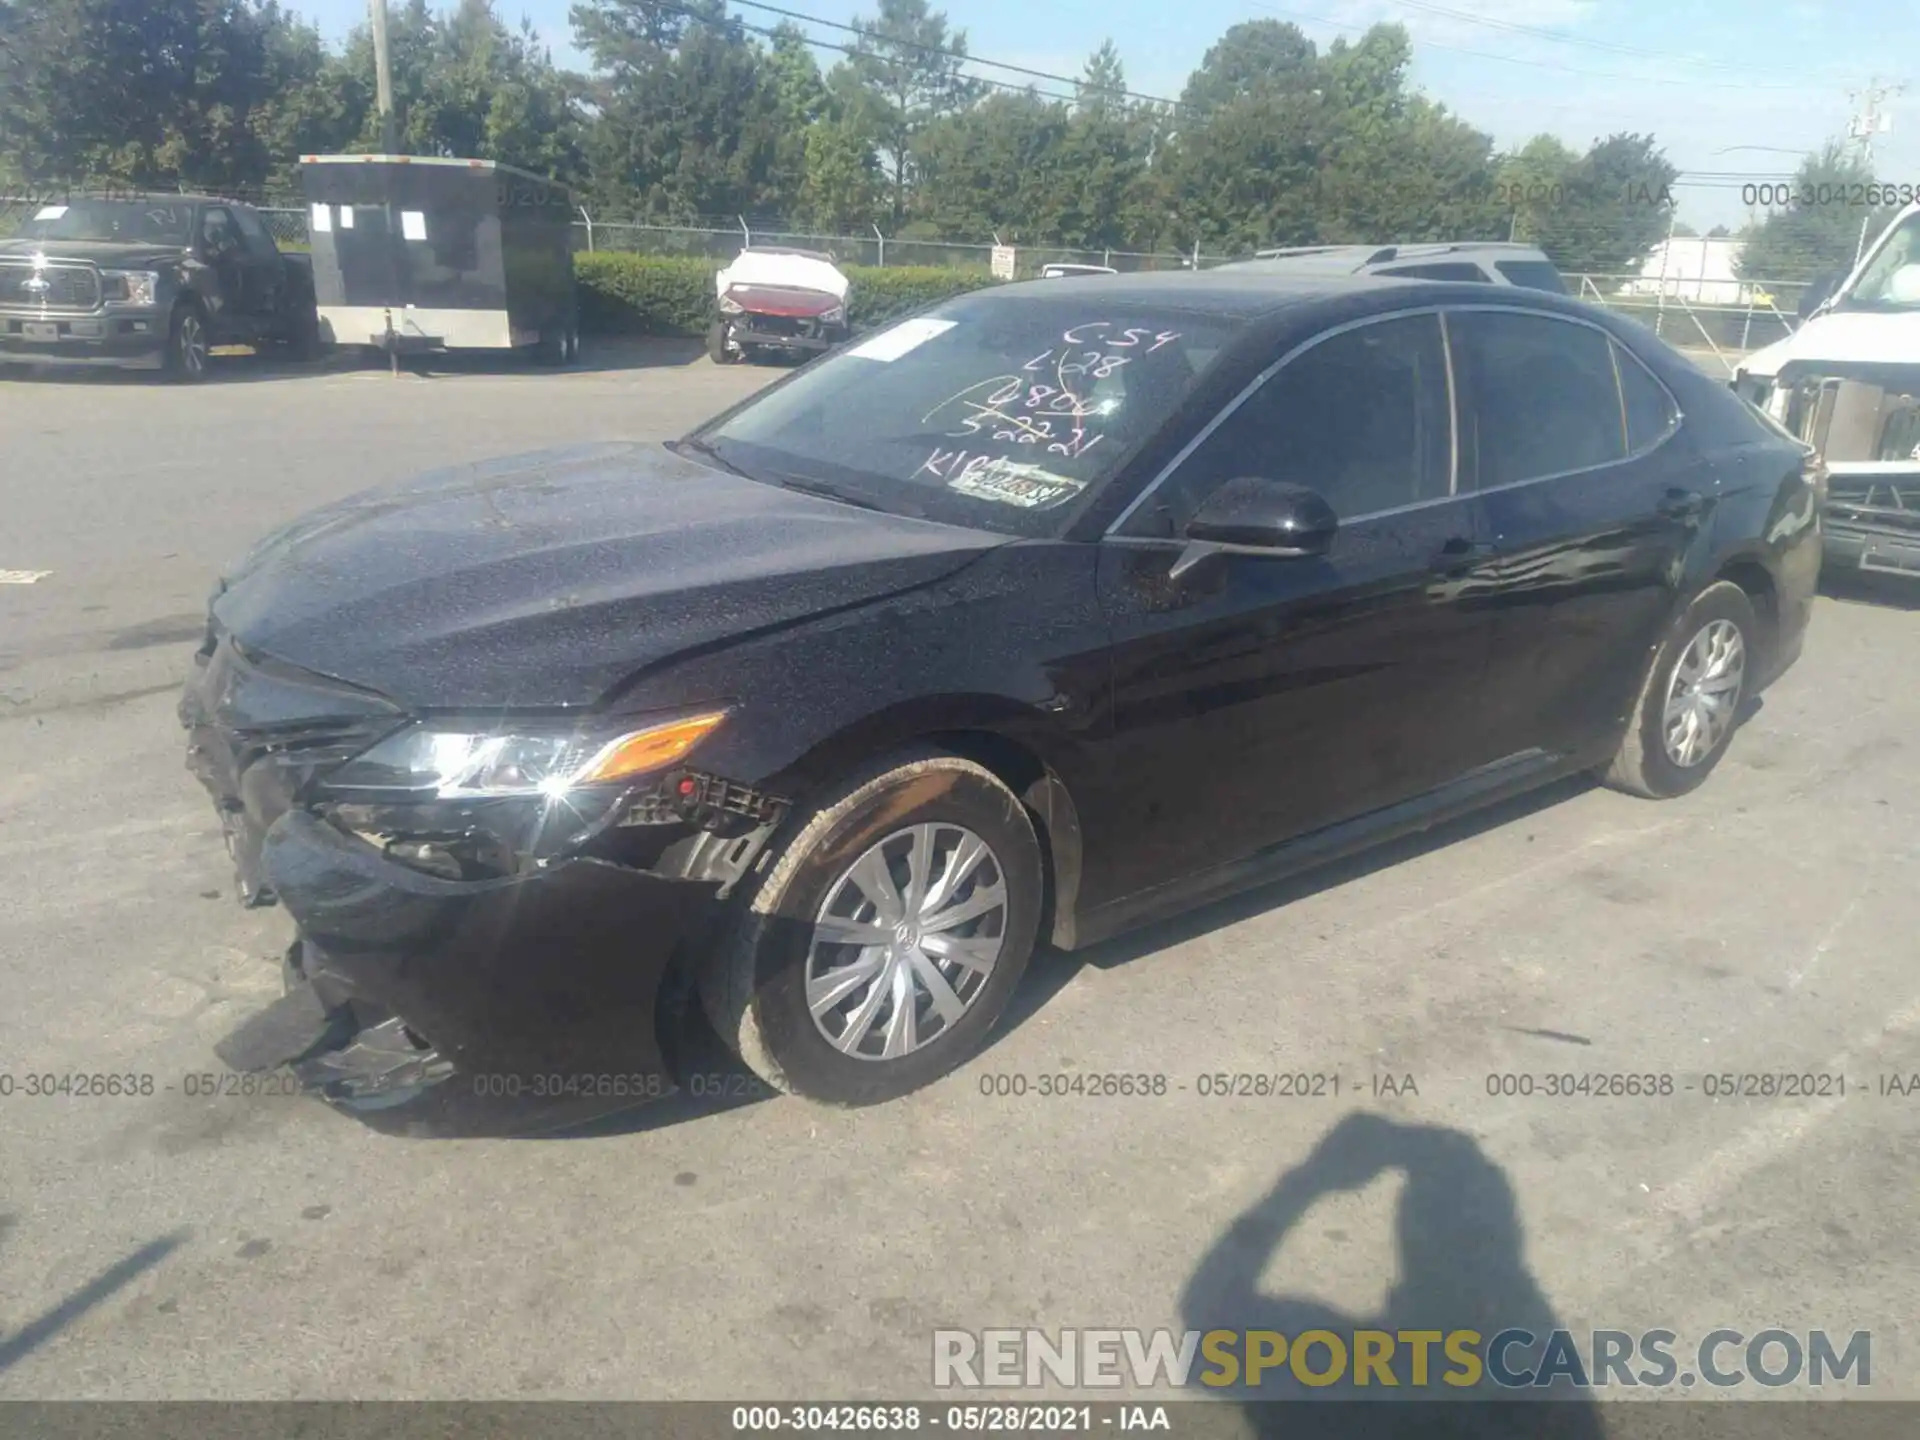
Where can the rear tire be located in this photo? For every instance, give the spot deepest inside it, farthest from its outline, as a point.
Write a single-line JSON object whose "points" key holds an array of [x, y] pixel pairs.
{"points": [[932, 868], [1682, 726]]}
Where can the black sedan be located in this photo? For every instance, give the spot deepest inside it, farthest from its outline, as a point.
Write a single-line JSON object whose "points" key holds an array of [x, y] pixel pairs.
{"points": [[1055, 609]]}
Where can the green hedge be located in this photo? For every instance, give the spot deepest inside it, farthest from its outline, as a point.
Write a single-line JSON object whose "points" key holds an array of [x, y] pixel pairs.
{"points": [[628, 294]]}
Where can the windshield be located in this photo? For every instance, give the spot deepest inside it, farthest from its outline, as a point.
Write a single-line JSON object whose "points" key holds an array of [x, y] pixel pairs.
{"points": [[1891, 280], [1001, 412], [152, 222]]}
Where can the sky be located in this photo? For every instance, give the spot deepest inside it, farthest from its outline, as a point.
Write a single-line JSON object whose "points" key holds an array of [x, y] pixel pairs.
{"points": [[1723, 88]]}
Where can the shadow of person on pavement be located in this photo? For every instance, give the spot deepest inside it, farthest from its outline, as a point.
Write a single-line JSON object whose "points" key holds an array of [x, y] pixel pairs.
{"points": [[1461, 1267]]}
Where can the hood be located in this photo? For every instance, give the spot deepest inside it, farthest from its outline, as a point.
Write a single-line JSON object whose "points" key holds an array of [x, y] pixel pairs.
{"points": [[1847, 337], [776, 271], [109, 255], [547, 580]]}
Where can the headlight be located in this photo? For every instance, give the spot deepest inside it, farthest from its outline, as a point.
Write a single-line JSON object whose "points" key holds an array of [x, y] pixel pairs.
{"points": [[451, 764], [730, 306], [130, 287], [836, 316]]}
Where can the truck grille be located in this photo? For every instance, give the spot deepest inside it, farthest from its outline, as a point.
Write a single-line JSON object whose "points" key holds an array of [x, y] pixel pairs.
{"points": [[1875, 502], [50, 287]]}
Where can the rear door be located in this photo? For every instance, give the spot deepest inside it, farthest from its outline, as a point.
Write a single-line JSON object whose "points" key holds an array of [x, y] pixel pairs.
{"points": [[1257, 698], [1570, 440]]}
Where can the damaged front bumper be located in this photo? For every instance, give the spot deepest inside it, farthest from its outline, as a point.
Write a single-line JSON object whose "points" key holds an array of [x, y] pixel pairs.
{"points": [[1863, 420], [485, 1002], [498, 1005]]}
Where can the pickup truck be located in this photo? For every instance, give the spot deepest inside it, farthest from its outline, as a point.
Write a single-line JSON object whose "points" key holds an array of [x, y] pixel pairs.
{"points": [[149, 281]]}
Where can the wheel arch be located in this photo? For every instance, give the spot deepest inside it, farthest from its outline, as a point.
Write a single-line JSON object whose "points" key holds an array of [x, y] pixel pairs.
{"points": [[1002, 736], [1750, 572]]}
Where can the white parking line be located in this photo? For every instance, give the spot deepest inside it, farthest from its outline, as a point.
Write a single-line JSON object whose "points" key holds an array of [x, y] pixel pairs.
{"points": [[22, 577]]}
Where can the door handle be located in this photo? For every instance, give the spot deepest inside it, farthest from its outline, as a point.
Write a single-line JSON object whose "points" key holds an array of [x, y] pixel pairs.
{"points": [[1459, 553], [1678, 504]]}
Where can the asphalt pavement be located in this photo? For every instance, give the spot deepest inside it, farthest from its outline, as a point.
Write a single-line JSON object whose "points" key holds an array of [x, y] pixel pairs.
{"points": [[177, 1245]]}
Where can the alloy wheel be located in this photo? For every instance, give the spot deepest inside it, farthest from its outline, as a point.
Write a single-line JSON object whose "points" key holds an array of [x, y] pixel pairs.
{"points": [[905, 941], [193, 345], [1703, 693]]}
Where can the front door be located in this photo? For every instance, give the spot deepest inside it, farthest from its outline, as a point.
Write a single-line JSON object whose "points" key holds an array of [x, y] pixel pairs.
{"points": [[1259, 698]]}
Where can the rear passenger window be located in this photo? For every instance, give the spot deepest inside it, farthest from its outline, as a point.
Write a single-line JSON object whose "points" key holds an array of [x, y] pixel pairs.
{"points": [[1644, 401], [1541, 397]]}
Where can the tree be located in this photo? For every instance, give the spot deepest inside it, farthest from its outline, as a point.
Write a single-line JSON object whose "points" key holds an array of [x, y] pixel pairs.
{"points": [[801, 101], [1255, 57], [998, 167], [687, 121], [147, 92], [1618, 204], [466, 85], [1802, 241], [908, 64], [1103, 177], [1532, 182]]}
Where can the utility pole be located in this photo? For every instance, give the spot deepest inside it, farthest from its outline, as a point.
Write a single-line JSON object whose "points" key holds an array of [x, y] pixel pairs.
{"points": [[1869, 119], [383, 78]]}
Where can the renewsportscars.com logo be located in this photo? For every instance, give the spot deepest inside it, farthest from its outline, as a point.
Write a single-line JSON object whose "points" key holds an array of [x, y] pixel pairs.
{"points": [[1510, 1359]]}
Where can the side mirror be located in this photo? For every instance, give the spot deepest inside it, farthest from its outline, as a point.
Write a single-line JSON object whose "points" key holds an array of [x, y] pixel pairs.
{"points": [[1273, 515]]}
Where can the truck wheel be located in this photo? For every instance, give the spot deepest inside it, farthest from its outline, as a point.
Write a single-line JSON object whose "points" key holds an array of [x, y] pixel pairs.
{"points": [[187, 346], [302, 340], [718, 349], [880, 947]]}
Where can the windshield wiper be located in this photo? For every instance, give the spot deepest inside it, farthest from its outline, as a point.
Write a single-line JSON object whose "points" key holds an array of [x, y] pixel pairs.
{"points": [[827, 492]]}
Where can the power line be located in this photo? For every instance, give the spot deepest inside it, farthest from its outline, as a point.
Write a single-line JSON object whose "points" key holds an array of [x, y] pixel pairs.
{"points": [[1536, 64], [1081, 85], [761, 30], [1563, 38]]}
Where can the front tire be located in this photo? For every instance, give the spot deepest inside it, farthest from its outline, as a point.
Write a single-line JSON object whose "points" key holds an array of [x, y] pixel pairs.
{"points": [[880, 947], [187, 346], [720, 347], [1690, 705]]}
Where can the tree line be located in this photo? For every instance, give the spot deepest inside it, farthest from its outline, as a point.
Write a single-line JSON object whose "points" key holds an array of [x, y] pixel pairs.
{"points": [[689, 112]]}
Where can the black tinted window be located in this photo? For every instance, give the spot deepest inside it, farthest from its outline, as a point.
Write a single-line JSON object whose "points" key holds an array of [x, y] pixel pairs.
{"points": [[1541, 395], [1648, 409], [1440, 272], [255, 234], [1534, 274], [1361, 417]]}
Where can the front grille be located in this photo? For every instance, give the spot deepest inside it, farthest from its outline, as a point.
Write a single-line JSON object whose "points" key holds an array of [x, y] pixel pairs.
{"points": [[1885, 502], [51, 287], [787, 325]]}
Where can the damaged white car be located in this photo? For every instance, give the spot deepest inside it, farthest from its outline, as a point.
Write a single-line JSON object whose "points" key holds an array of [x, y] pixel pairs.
{"points": [[1848, 383], [770, 299]]}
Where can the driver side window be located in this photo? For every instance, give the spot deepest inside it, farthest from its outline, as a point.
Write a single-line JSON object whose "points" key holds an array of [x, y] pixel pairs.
{"points": [[1363, 417], [218, 232]]}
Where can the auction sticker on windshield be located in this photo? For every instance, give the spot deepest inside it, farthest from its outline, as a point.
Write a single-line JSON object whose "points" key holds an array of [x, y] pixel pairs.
{"points": [[1009, 483], [892, 343], [50, 212]]}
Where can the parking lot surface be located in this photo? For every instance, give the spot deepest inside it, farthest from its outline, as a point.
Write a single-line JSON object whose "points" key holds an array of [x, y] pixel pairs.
{"points": [[244, 1246]]}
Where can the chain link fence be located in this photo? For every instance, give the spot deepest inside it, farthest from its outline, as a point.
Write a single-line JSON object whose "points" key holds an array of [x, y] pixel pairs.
{"points": [[1706, 318]]}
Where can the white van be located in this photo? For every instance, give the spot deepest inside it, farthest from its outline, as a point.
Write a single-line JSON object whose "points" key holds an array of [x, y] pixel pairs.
{"points": [[1848, 383]]}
